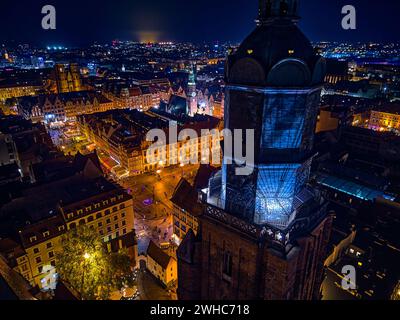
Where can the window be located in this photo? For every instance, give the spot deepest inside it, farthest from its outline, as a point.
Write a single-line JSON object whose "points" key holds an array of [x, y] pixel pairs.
{"points": [[100, 224], [116, 226], [72, 226], [51, 254], [115, 218], [38, 260], [107, 212], [53, 263], [40, 269], [90, 219], [124, 231], [122, 206], [60, 228], [108, 221], [99, 215], [36, 250], [82, 222], [124, 223], [123, 214], [108, 229], [115, 209], [49, 245], [227, 267], [32, 239]]}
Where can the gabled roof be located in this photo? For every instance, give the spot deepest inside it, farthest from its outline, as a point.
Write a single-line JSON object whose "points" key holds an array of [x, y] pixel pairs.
{"points": [[203, 176], [187, 248], [159, 256], [186, 197]]}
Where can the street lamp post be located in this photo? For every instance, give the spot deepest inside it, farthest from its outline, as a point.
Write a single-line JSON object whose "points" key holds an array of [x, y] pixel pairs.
{"points": [[86, 257]]}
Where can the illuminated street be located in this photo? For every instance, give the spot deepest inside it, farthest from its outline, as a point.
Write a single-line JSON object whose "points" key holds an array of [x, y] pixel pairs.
{"points": [[288, 109], [152, 206]]}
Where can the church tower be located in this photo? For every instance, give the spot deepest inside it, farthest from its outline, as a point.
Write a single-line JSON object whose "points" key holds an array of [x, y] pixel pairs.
{"points": [[264, 236], [192, 92]]}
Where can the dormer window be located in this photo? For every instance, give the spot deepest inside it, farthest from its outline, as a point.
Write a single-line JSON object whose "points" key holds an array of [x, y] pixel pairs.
{"points": [[46, 234], [33, 239]]}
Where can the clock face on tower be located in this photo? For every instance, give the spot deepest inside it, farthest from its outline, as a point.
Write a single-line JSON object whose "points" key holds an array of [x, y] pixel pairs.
{"points": [[194, 94]]}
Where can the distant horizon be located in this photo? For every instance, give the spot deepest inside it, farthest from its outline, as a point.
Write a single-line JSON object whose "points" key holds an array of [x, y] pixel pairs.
{"points": [[211, 42], [196, 21]]}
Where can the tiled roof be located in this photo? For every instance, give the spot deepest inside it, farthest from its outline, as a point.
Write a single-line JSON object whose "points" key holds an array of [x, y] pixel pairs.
{"points": [[186, 198], [159, 256]]}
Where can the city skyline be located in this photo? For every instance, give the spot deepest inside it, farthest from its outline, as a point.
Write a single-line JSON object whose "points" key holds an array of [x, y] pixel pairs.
{"points": [[107, 191], [206, 21]]}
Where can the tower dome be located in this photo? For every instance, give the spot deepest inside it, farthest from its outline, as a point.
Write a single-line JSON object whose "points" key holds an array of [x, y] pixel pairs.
{"points": [[276, 53]]}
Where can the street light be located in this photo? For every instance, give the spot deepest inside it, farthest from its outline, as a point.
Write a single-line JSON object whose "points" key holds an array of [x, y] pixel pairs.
{"points": [[86, 257]]}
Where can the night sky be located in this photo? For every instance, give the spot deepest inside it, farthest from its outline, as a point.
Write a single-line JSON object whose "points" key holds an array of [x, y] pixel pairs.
{"points": [[80, 22]]}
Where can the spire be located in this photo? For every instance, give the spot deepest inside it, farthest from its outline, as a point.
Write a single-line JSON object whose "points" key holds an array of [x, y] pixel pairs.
{"points": [[269, 10], [192, 75]]}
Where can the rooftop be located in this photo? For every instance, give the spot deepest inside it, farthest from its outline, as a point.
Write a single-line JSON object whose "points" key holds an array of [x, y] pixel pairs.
{"points": [[159, 256]]}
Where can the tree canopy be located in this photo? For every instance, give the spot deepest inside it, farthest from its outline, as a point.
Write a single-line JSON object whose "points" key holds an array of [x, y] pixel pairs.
{"points": [[87, 266]]}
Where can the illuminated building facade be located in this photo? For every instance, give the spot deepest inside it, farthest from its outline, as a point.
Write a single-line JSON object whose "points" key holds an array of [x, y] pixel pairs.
{"points": [[15, 91], [385, 119], [264, 236], [186, 210], [67, 79], [162, 266], [122, 135], [62, 107], [192, 92], [85, 199]]}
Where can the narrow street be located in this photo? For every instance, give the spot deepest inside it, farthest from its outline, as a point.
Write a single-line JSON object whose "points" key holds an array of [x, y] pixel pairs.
{"points": [[151, 199]]}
